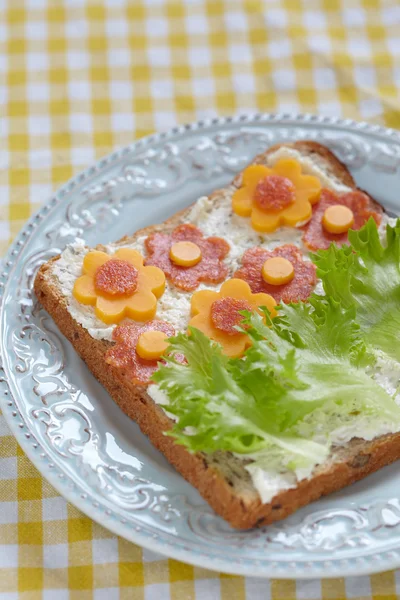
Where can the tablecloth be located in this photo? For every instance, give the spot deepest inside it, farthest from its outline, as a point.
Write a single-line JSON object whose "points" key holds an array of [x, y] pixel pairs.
{"points": [[78, 79]]}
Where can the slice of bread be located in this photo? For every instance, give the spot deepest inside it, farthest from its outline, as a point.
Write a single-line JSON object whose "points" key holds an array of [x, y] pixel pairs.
{"points": [[221, 478]]}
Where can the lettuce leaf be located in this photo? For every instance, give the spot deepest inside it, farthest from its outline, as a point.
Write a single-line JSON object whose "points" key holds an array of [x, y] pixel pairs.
{"points": [[366, 276], [205, 396], [320, 343], [309, 359]]}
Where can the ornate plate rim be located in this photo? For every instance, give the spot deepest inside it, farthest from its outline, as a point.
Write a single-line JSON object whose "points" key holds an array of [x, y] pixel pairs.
{"points": [[65, 485]]}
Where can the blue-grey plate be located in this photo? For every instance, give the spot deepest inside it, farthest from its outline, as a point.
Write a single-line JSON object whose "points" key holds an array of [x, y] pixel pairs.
{"points": [[88, 449]]}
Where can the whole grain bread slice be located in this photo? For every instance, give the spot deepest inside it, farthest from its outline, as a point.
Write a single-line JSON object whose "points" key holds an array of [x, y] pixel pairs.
{"points": [[221, 478]]}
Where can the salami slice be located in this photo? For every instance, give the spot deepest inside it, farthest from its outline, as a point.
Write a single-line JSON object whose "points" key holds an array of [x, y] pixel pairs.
{"points": [[124, 355], [116, 278], [316, 236], [275, 193], [209, 268], [225, 314], [300, 286]]}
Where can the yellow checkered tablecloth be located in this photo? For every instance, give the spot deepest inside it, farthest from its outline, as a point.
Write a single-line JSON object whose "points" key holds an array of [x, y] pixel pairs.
{"points": [[79, 79]]}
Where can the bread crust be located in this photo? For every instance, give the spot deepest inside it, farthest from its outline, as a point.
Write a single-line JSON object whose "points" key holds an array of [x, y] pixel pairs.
{"points": [[310, 148], [242, 508]]}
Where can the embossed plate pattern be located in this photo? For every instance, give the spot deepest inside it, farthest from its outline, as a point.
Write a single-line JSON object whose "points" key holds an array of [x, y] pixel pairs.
{"points": [[92, 453]]}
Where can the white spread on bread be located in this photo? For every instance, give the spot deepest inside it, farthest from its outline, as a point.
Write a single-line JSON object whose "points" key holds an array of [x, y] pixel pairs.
{"points": [[309, 166], [214, 218]]}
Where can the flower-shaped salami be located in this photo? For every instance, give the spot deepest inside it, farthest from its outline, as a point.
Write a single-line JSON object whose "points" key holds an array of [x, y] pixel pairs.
{"points": [[282, 273], [334, 215], [187, 258], [139, 348], [119, 285], [276, 196], [217, 313]]}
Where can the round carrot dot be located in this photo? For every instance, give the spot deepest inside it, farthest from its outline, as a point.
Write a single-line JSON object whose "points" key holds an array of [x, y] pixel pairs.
{"points": [[337, 219], [151, 344], [277, 270]]}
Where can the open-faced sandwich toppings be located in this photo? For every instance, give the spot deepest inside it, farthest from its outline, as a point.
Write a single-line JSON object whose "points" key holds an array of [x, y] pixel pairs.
{"points": [[284, 387], [280, 195], [119, 285], [334, 215], [305, 381], [139, 347], [218, 314], [282, 273], [187, 257]]}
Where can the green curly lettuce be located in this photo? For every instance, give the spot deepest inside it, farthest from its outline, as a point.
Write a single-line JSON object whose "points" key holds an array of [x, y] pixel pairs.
{"points": [[310, 360], [206, 397], [366, 276]]}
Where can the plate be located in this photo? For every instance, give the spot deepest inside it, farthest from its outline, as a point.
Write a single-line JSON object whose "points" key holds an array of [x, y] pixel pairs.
{"points": [[88, 449]]}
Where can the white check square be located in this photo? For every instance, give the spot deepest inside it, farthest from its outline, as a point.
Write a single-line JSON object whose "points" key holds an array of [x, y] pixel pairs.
{"points": [[123, 121], [55, 556], [81, 123], [106, 594], [196, 24], [240, 53], [55, 594], [8, 556], [370, 107], [199, 56], [119, 57], [162, 88], [36, 30], [325, 78], [39, 124], [159, 56], [243, 83], [8, 467], [82, 156], [79, 90], [365, 76], [121, 90], [284, 80], [9, 510], [116, 27], [37, 92], [203, 87], [76, 28], [353, 16], [105, 551], [314, 19], [54, 509], [279, 48], [156, 27], [76, 59], [156, 591], [37, 61]]}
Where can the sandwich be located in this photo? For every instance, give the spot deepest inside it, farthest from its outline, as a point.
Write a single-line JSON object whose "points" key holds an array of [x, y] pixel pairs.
{"points": [[252, 336]]}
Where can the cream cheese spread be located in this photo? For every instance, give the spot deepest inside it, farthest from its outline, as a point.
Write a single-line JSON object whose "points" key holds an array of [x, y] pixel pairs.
{"points": [[310, 167]]}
